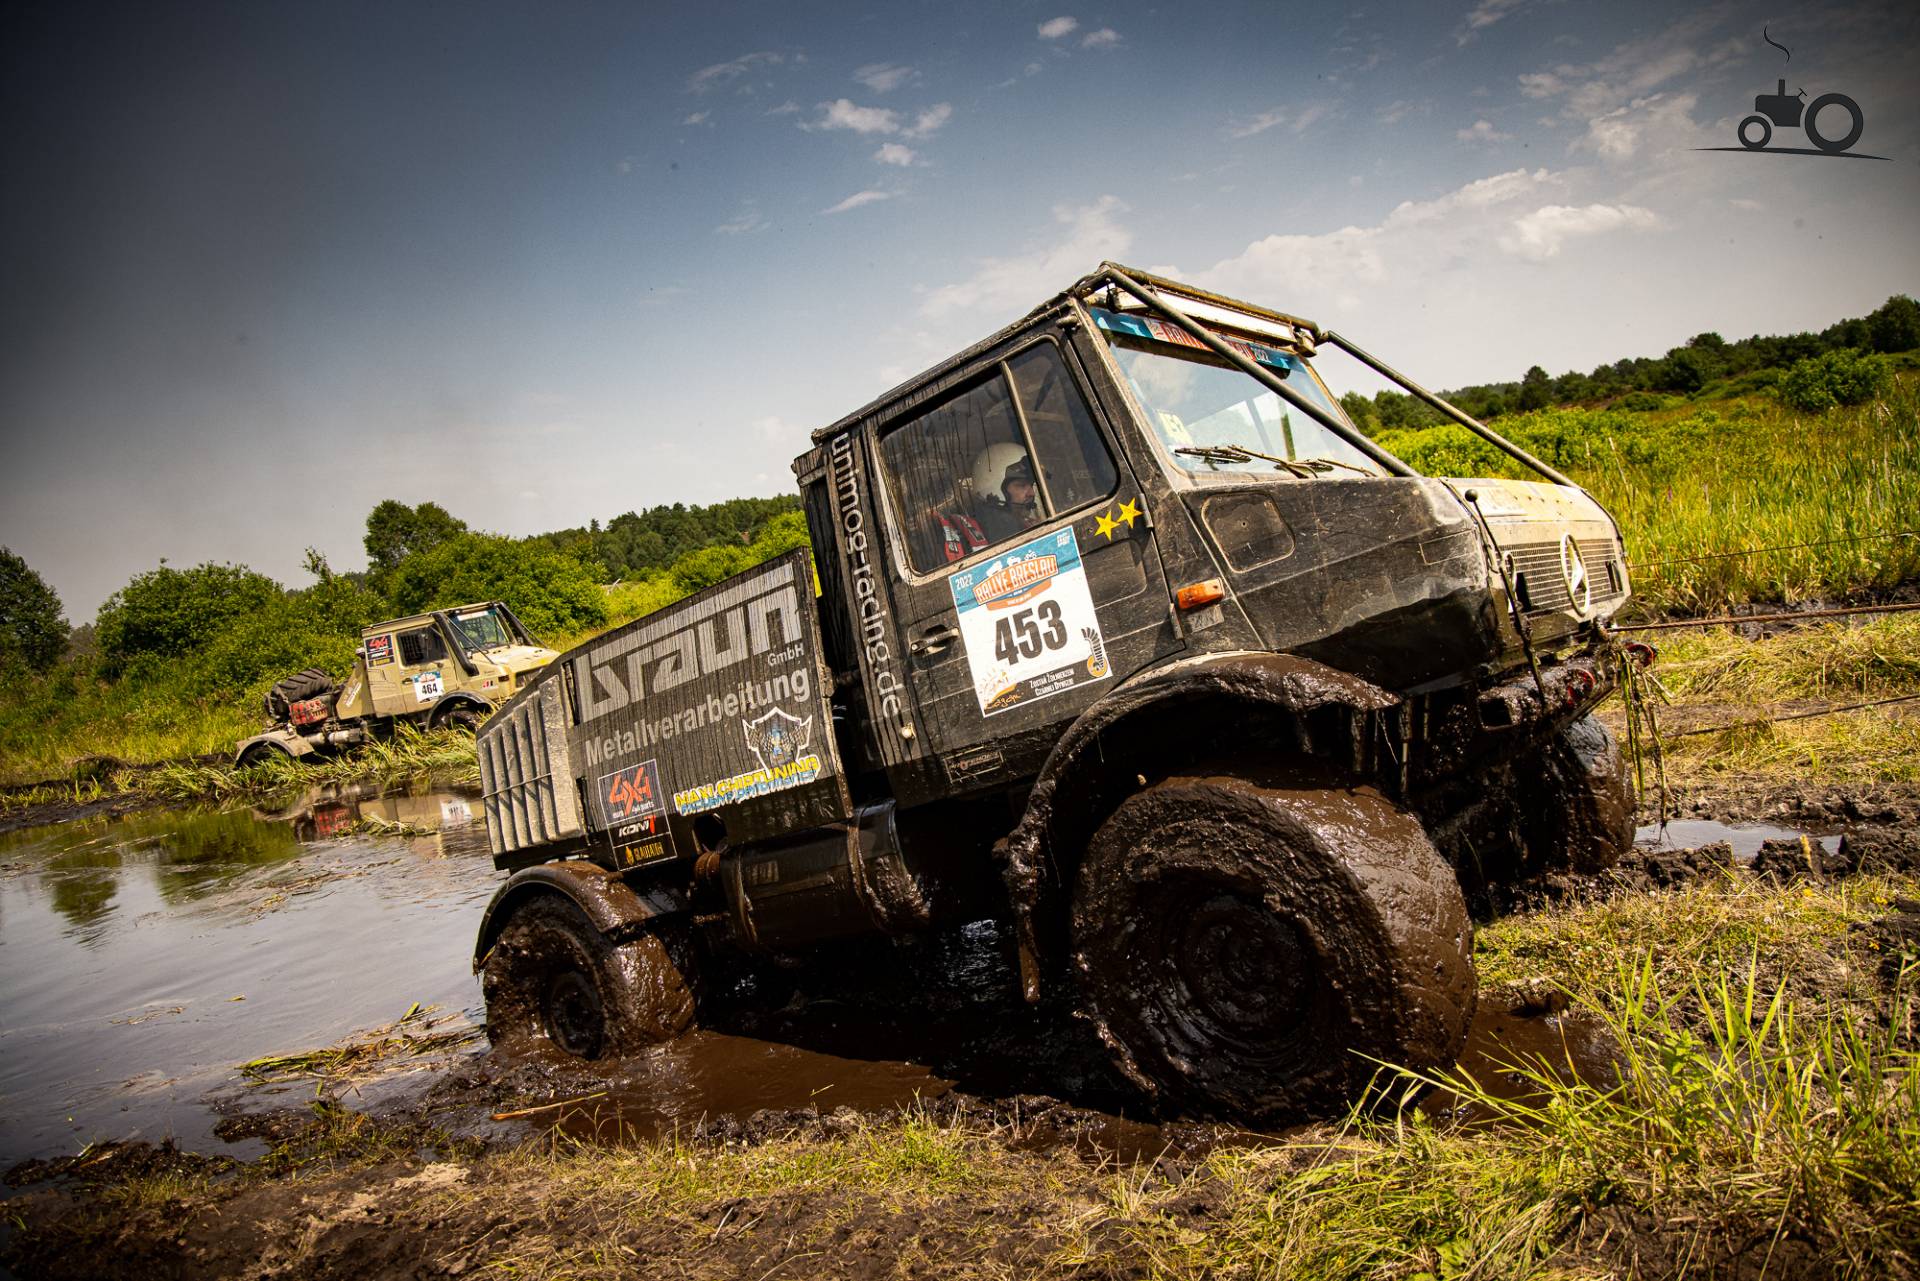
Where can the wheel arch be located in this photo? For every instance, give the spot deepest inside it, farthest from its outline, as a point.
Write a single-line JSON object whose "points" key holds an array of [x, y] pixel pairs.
{"points": [[278, 741], [1278, 706], [610, 905], [458, 699]]}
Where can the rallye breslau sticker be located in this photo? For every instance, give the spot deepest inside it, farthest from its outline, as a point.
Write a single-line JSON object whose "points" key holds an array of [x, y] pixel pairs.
{"points": [[1028, 623]]}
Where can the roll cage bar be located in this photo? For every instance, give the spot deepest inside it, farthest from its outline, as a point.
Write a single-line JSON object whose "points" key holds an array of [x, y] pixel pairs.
{"points": [[1151, 292]]}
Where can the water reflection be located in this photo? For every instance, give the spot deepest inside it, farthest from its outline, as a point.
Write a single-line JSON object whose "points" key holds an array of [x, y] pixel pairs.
{"points": [[145, 956]]}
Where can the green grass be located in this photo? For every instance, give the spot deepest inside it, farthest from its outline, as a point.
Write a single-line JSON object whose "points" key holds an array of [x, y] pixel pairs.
{"points": [[1715, 677]]}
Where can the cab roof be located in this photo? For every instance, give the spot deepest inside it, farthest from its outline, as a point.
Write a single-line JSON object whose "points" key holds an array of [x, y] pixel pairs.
{"points": [[1206, 305]]}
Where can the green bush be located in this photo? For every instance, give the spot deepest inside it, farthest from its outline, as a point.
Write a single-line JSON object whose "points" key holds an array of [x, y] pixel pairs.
{"points": [[166, 613], [1834, 378], [550, 591]]}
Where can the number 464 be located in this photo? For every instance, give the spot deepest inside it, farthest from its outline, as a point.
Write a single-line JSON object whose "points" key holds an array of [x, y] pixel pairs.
{"points": [[1029, 633]]}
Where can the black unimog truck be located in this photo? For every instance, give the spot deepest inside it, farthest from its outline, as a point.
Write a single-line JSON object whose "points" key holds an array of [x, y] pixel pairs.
{"points": [[1116, 629]]}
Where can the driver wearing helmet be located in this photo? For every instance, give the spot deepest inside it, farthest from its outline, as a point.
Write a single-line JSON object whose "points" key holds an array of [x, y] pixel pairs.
{"points": [[1005, 498]]}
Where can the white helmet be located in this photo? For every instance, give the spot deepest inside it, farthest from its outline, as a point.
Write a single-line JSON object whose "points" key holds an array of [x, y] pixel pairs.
{"points": [[995, 466]]}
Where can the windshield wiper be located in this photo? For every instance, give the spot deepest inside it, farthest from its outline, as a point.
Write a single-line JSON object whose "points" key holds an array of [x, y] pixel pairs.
{"points": [[1302, 468]]}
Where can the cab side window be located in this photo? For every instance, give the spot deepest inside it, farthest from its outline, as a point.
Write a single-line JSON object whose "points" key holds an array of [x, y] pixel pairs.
{"points": [[422, 646], [960, 472]]}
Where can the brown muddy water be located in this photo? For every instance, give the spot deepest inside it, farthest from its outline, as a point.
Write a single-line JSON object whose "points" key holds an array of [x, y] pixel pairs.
{"points": [[143, 959]]}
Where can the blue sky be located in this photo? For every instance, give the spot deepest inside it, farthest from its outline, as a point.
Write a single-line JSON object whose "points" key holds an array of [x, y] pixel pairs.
{"points": [[265, 265]]}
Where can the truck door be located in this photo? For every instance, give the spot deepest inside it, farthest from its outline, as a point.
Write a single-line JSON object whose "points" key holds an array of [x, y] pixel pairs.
{"points": [[407, 669], [1027, 582]]}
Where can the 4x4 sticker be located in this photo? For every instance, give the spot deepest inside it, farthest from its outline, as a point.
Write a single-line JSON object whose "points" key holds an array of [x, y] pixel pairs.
{"points": [[379, 650], [1028, 623], [634, 812]]}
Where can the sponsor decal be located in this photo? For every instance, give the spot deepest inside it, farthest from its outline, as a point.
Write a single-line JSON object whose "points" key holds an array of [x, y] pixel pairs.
{"points": [[379, 650], [1015, 581], [886, 690], [779, 741], [758, 619], [711, 711], [759, 782], [778, 738], [1028, 623], [633, 811], [427, 686]]}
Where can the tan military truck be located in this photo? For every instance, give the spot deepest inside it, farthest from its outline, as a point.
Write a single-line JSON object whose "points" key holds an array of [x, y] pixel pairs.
{"points": [[446, 667], [1125, 635]]}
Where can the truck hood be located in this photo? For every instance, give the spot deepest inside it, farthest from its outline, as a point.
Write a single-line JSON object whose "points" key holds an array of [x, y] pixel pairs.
{"points": [[1560, 548], [519, 658]]}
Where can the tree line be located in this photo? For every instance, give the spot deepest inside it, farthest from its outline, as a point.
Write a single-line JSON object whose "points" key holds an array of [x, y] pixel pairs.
{"points": [[1755, 363]]}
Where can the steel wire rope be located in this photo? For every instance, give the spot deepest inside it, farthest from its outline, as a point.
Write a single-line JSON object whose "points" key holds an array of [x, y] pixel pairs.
{"points": [[1783, 547], [1794, 716], [1728, 620]]}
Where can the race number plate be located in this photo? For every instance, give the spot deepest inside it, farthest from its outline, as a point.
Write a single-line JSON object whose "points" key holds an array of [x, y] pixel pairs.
{"points": [[1028, 623]]}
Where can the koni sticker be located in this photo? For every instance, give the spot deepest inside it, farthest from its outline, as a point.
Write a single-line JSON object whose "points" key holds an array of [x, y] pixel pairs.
{"points": [[633, 810], [1028, 623]]}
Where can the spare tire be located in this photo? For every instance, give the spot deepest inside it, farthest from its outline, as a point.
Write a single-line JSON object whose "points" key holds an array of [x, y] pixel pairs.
{"points": [[297, 688]]}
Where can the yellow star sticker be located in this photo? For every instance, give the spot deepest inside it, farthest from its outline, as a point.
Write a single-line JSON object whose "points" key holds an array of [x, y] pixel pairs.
{"points": [[1104, 524], [1129, 512]]}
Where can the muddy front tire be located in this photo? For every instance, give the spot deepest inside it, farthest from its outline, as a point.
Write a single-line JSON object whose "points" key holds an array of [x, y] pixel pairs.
{"points": [[1577, 814], [553, 977], [1254, 951]]}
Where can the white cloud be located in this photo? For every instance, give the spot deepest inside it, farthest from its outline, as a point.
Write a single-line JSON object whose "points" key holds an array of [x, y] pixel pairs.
{"points": [[893, 153], [857, 199], [1481, 131], [747, 221], [1484, 15], [1104, 38], [1298, 122], [1334, 270], [1089, 233], [1751, 206], [1054, 28], [787, 108], [1541, 234], [883, 77], [1662, 122], [1258, 124], [1394, 112], [724, 73], [842, 113], [929, 122], [695, 118]]}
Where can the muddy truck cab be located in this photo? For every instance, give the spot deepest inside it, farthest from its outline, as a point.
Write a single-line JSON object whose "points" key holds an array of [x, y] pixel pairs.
{"points": [[446, 667], [1116, 629]]}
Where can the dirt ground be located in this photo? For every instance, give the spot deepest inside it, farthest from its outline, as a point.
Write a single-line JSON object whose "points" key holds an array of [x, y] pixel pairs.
{"points": [[410, 1193]]}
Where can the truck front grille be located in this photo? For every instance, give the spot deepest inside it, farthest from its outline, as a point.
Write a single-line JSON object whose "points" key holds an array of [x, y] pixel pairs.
{"points": [[1537, 580]]}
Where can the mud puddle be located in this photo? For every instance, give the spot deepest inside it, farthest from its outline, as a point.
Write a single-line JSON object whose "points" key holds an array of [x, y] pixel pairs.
{"points": [[142, 958], [1745, 838]]}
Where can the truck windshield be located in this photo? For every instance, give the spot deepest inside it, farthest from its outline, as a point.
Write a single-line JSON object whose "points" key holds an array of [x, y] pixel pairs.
{"points": [[482, 629], [1210, 417]]}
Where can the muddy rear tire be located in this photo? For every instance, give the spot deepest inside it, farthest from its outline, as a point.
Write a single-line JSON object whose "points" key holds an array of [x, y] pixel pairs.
{"points": [[1577, 815], [1247, 949], [553, 977]]}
